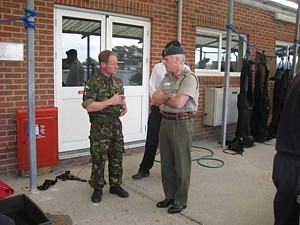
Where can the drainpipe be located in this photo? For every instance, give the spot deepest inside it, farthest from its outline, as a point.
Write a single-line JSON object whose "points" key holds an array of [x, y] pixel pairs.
{"points": [[296, 43], [179, 31]]}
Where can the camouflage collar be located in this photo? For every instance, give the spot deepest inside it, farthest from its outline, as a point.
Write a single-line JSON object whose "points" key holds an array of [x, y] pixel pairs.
{"points": [[103, 77]]}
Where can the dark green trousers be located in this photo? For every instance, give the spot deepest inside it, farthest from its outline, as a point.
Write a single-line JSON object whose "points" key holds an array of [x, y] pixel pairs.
{"points": [[175, 150]]}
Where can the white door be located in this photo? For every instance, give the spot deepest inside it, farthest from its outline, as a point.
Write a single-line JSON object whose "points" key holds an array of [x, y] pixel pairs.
{"points": [[130, 40], [89, 33]]}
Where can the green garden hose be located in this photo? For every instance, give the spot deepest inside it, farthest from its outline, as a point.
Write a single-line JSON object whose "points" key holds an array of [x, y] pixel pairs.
{"points": [[208, 158], [204, 158]]}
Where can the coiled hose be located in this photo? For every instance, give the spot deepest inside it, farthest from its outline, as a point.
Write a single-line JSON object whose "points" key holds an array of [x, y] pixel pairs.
{"points": [[204, 158]]}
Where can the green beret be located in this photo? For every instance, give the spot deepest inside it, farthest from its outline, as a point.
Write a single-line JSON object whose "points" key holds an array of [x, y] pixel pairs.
{"points": [[173, 50]]}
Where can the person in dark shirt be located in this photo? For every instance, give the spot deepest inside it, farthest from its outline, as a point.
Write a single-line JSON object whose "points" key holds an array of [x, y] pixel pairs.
{"points": [[286, 164], [5, 220]]}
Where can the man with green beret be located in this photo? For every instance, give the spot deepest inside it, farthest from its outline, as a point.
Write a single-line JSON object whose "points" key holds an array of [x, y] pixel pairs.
{"points": [[179, 93], [154, 119]]}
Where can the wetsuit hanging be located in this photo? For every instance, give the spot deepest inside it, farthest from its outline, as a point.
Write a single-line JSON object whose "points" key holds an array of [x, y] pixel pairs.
{"points": [[244, 104], [282, 77], [261, 107]]}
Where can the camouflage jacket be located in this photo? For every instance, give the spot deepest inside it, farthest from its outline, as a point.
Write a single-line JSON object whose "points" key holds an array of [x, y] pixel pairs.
{"points": [[100, 88]]}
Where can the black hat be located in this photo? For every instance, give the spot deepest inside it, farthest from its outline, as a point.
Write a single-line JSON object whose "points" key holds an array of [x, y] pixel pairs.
{"points": [[173, 50], [71, 52], [171, 43]]}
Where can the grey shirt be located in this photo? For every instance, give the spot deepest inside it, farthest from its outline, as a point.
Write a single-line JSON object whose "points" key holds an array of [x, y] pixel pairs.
{"points": [[184, 82]]}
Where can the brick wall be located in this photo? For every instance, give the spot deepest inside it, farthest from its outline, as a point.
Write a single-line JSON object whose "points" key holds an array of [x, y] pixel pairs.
{"points": [[260, 27]]}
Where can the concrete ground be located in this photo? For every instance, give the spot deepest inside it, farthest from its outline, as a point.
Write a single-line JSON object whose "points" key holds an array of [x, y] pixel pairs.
{"points": [[239, 193]]}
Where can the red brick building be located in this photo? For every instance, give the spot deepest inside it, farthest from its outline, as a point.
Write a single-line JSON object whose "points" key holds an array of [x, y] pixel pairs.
{"points": [[64, 24]]}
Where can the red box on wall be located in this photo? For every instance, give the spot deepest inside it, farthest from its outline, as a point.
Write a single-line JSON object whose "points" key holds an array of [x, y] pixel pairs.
{"points": [[46, 138]]}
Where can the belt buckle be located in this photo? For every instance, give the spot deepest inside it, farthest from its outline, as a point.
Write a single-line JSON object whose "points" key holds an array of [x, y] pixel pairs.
{"points": [[180, 116]]}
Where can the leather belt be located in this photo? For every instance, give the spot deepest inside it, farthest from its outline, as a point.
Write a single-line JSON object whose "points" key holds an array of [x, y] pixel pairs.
{"points": [[178, 116]]}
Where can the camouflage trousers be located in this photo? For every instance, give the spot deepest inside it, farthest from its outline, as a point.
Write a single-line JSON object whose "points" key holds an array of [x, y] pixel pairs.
{"points": [[107, 143]]}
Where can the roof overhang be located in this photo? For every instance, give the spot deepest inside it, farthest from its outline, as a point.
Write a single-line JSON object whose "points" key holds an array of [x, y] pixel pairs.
{"points": [[270, 5], [281, 12]]}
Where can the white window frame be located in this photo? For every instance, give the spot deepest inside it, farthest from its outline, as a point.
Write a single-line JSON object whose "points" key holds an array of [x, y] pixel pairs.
{"points": [[217, 72]]}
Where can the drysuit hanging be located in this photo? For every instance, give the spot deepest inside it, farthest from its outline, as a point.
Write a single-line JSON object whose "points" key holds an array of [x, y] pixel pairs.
{"points": [[245, 106], [282, 78], [261, 107]]}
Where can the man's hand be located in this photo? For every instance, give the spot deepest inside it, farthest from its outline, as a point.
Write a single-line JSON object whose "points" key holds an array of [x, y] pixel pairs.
{"points": [[161, 108], [158, 93], [123, 110], [159, 97], [117, 99]]}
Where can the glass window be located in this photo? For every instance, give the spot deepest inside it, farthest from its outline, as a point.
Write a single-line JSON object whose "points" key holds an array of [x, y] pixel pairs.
{"points": [[207, 51], [80, 49], [128, 45], [210, 53], [284, 53]]}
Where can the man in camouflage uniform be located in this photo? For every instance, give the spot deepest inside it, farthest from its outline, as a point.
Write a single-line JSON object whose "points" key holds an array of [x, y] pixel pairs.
{"points": [[179, 93], [104, 100]]}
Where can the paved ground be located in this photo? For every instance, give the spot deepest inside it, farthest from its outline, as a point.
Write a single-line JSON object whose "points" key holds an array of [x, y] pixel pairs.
{"points": [[239, 193]]}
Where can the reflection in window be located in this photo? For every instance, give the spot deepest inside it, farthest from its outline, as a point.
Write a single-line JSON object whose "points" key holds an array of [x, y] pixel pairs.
{"points": [[210, 51], [82, 36], [207, 51], [128, 45], [284, 53]]}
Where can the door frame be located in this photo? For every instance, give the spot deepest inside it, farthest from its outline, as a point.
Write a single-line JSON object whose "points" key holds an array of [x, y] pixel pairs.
{"points": [[106, 18]]}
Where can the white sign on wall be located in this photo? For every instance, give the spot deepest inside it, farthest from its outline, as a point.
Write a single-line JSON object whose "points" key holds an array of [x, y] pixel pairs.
{"points": [[11, 51]]}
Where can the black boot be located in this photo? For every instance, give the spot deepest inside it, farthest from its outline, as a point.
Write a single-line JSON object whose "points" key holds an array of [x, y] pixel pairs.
{"points": [[236, 146], [97, 194], [140, 174], [165, 203], [118, 190]]}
